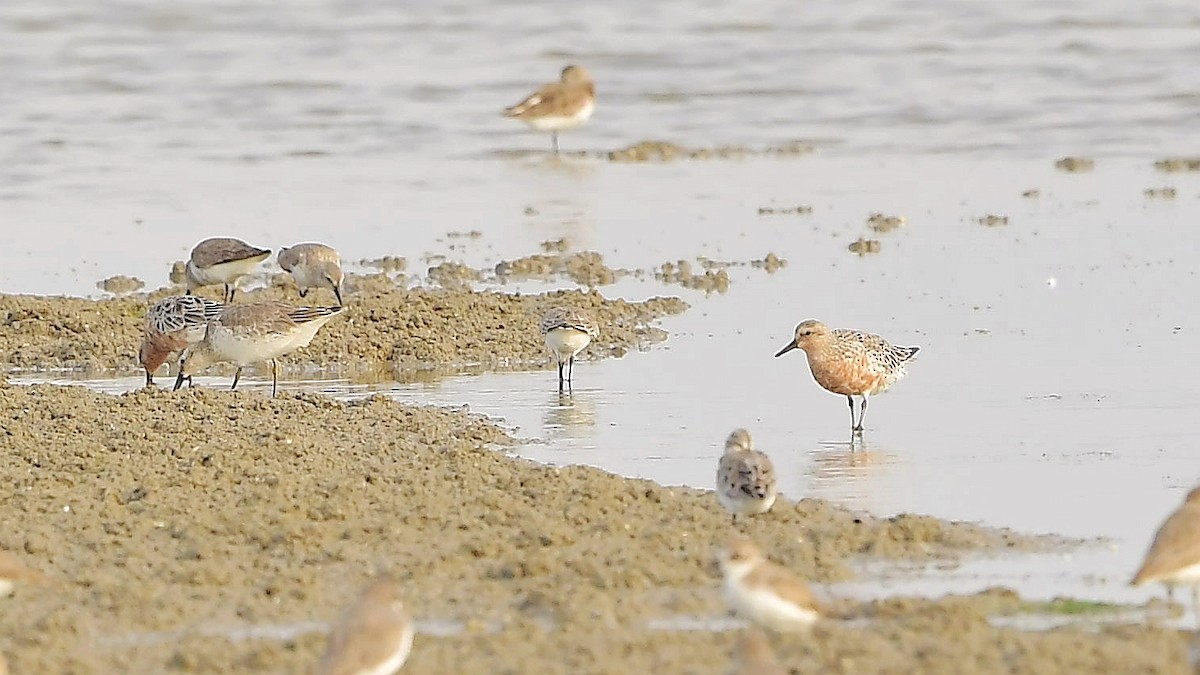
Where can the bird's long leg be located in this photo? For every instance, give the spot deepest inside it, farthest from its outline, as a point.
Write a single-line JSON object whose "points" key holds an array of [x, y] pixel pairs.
{"points": [[571, 369], [862, 414], [1196, 604], [560, 376], [236, 376], [554, 140], [274, 377], [229, 291], [850, 402]]}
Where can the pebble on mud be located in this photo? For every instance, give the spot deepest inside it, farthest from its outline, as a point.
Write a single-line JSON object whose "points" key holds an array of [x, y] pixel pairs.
{"points": [[121, 284], [1032, 194], [992, 220], [1161, 193]]}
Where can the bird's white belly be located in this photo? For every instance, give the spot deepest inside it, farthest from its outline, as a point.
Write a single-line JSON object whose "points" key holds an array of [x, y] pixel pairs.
{"points": [[566, 342], [397, 659], [562, 122], [767, 609], [246, 349], [744, 504], [1185, 575], [222, 273]]}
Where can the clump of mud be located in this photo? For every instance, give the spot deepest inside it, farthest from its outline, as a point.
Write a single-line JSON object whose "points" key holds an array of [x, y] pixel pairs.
{"points": [[586, 268], [178, 273], [1161, 193], [121, 284], [883, 223], [555, 246], [863, 246], [992, 220], [771, 263], [189, 530], [1032, 193], [715, 280], [1177, 164], [665, 151], [1075, 164], [452, 275], [387, 263]]}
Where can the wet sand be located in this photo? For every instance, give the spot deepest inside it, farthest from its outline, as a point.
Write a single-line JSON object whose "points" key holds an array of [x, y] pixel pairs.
{"points": [[206, 531]]}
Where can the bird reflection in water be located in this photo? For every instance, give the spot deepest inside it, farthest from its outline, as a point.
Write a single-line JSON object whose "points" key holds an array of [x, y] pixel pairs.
{"points": [[853, 473], [567, 414]]}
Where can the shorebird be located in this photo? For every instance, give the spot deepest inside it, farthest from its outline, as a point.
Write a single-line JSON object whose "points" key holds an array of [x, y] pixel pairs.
{"points": [[313, 266], [567, 332], [373, 636], [222, 260], [746, 483], [246, 334], [753, 655], [850, 362], [13, 572], [171, 325], [558, 106], [765, 593], [1174, 557]]}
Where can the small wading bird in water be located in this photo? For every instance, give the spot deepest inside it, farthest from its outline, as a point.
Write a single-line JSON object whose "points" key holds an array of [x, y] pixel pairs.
{"points": [[558, 106], [567, 332], [850, 362], [246, 334]]}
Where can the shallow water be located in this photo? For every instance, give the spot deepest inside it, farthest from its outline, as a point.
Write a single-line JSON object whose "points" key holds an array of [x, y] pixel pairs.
{"points": [[1057, 378], [1034, 405]]}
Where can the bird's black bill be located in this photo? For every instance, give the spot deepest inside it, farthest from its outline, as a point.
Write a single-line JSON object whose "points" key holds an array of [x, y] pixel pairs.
{"points": [[179, 381], [781, 352], [337, 291]]}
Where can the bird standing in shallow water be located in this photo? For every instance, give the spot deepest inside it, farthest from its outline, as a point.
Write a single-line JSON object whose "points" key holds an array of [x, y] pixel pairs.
{"points": [[746, 483], [558, 106], [253, 332], [567, 332], [850, 362]]}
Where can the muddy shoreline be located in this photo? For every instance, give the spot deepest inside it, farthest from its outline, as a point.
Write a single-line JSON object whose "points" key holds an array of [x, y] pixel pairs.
{"points": [[208, 531]]}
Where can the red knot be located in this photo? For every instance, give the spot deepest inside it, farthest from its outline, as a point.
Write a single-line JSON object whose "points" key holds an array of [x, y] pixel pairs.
{"points": [[850, 362], [171, 325]]}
